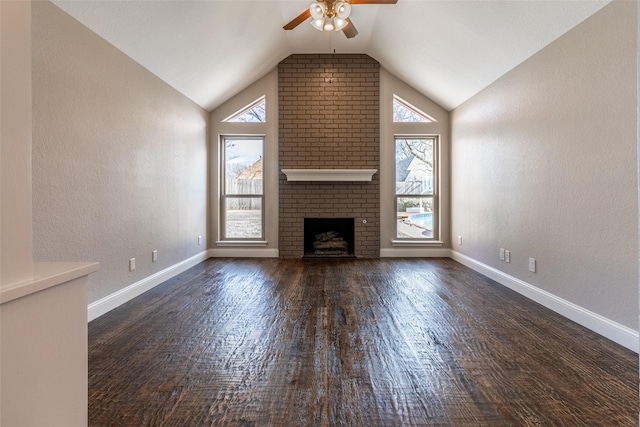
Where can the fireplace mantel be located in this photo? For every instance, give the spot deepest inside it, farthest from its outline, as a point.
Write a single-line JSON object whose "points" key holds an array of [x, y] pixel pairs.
{"points": [[329, 174]]}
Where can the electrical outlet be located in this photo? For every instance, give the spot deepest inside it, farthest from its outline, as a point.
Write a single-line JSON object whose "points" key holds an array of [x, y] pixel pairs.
{"points": [[507, 256], [460, 240], [154, 256], [501, 254], [132, 264], [199, 240], [532, 265]]}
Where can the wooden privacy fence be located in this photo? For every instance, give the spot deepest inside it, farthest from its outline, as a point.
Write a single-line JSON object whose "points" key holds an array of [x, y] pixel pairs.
{"points": [[244, 187]]}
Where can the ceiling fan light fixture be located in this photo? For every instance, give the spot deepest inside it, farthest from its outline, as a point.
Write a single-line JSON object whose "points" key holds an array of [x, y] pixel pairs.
{"points": [[340, 23], [343, 10], [329, 25], [318, 24], [329, 17], [318, 10]]}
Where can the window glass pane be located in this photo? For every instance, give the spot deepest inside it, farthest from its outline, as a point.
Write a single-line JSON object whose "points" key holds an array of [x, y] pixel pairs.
{"points": [[414, 217], [243, 166], [252, 113], [414, 166], [404, 112], [243, 218]]}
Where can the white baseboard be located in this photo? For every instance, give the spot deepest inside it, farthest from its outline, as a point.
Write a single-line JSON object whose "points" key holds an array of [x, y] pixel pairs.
{"points": [[116, 299], [231, 252], [414, 252], [614, 331]]}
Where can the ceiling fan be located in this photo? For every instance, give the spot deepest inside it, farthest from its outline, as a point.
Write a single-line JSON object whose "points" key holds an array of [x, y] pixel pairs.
{"points": [[332, 15]]}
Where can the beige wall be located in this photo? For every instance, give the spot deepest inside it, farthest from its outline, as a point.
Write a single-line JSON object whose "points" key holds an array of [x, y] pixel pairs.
{"points": [[119, 158], [389, 86], [267, 86], [15, 138], [544, 165]]}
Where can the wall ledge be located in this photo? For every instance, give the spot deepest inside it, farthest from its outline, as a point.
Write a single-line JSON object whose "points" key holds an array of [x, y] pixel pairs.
{"points": [[417, 242], [243, 252], [415, 252], [241, 243], [47, 275]]}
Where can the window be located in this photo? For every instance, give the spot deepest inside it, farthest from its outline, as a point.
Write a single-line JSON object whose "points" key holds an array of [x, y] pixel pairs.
{"points": [[242, 194], [416, 196], [252, 113], [403, 112]]}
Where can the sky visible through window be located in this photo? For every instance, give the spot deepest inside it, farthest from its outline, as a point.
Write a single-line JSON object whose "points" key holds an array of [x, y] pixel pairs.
{"points": [[252, 113], [403, 112]]}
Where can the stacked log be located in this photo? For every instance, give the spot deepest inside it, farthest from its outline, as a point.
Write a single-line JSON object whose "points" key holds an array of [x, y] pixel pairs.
{"points": [[330, 243]]}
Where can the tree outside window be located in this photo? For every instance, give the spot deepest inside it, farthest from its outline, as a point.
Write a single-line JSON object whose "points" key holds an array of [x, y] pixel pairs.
{"points": [[415, 187]]}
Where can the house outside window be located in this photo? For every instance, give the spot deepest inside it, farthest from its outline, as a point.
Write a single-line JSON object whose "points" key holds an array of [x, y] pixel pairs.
{"points": [[416, 187], [242, 190]]}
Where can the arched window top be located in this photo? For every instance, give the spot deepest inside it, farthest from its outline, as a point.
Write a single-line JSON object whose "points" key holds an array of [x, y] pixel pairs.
{"points": [[403, 112], [252, 113]]}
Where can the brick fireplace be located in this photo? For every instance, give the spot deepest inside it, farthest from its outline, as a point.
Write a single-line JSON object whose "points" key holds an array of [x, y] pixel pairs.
{"points": [[329, 118]]}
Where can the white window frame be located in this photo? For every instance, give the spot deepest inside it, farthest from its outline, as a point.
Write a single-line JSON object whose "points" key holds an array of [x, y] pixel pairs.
{"points": [[415, 110], [244, 110], [224, 196], [435, 238]]}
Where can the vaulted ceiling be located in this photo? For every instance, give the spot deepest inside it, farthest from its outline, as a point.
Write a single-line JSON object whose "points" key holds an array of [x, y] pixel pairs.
{"points": [[448, 50]]}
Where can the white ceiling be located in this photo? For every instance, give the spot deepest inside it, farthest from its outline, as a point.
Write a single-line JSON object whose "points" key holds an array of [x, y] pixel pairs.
{"points": [[449, 50]]}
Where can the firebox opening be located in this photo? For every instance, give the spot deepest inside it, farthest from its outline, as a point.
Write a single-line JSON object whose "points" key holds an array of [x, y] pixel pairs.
{"points": [[329, 238]]}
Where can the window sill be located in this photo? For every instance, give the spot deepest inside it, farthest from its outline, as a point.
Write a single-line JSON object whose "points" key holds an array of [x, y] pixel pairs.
{"points": [[241, 243], [417, 243]]}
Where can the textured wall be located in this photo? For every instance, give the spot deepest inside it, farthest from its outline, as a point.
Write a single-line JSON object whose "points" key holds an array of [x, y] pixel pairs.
{"points": [[15, 150], [544, 165], [267, 86], [329, 118], [389, 86], [119, 158]]}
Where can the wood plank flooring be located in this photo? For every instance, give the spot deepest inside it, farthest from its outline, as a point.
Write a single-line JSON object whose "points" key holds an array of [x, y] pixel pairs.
{"points": [[390, 342]]}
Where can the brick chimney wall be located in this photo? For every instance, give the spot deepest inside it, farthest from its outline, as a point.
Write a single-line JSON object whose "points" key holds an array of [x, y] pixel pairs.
{"points": [[329, 118]]}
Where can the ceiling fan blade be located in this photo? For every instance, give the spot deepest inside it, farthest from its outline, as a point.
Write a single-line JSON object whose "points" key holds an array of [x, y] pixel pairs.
{"points": [[350, 30], [373, 1], [298, 20]]}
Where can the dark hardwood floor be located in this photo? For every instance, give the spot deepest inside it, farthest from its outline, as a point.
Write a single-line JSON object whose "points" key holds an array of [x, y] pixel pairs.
{"points": [[390, 342]]}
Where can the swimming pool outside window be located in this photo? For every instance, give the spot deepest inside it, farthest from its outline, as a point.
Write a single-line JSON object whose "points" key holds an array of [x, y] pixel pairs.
{"points": [[416, 184]]}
